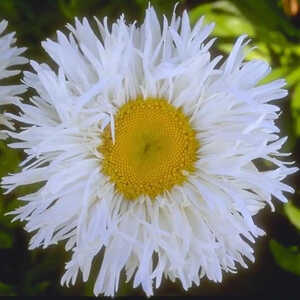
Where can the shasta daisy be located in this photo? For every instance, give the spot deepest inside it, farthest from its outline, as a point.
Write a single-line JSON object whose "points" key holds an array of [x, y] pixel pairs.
{"points": [[9, 56], [146, 147]]}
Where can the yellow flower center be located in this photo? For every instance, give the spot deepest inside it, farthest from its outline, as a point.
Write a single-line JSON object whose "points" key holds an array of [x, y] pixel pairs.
{"points": [[154, 145]]}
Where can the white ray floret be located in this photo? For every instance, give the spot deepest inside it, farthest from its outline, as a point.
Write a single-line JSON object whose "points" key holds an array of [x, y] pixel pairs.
{"points": [[199, 229], [9, 57]]}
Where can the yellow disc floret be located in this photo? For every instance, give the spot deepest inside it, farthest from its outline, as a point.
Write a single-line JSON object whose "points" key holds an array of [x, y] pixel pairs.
{"points": [[154, 145]]}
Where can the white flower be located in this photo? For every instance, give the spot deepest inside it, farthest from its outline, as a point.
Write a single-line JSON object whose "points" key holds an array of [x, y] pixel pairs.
{"points": [[9, 56], [146, 150]]}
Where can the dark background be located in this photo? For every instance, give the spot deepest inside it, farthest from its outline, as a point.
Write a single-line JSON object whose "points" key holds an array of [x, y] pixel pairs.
{"points": [[274, 26]]}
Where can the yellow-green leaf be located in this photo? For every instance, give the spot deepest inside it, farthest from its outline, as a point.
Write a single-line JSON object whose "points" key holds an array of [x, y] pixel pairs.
{"points": [[293, 214], [229, 23], [287, 258]]}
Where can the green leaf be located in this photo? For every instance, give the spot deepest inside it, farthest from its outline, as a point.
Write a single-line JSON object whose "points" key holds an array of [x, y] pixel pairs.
{"points": [[287, 258], [267, 17], [293, 214], [6, 239], [6, 290], [294, 76], [295, 108], [229, 23], [9, 159]]}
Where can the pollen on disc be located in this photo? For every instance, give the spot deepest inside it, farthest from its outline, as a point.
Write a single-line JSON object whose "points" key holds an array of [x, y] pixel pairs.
{"points": [[154, 145]]}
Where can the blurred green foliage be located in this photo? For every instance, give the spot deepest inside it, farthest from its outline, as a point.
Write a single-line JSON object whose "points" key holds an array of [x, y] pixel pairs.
{"points": [[293, 213], [277, 40], [288, 258]]}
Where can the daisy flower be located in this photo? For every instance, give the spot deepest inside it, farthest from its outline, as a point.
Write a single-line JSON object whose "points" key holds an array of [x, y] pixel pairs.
{"points": [[145, 146], [9, 56]]}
